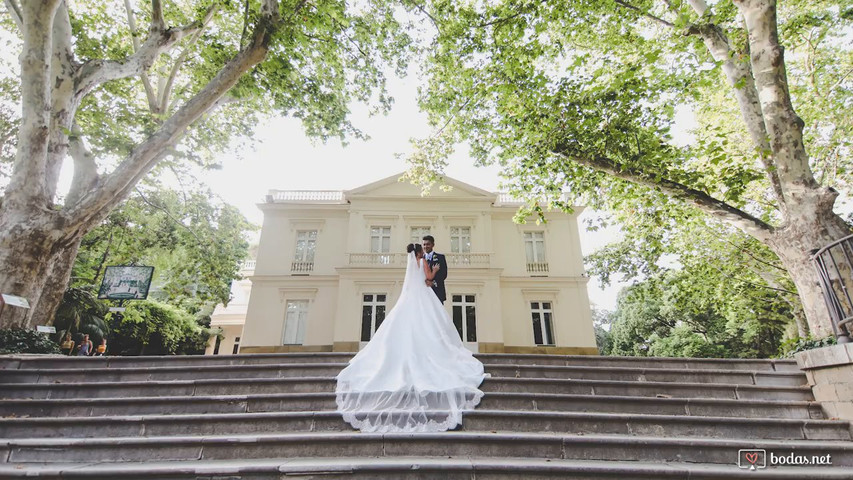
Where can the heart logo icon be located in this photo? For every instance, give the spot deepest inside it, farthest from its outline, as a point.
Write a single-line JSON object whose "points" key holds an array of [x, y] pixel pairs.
{"points": [[751, 457]]}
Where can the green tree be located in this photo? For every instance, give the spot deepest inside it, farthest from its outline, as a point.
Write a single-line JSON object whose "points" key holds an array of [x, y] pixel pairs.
{"points": [[581, 95], [602, 321], [81, 312], [700, 310], [194, 241], [153, 328], [123, 89]]}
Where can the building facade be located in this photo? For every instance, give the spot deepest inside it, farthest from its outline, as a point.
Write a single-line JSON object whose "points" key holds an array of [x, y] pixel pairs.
{"points": [[229, 320], [330, 264]]}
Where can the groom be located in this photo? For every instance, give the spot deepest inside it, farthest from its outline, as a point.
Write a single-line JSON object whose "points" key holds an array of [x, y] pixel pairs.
{"points": [[435, 258]]}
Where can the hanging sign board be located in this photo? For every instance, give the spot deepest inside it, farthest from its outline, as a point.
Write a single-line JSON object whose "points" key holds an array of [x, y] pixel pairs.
{"points": [[126, 282]]}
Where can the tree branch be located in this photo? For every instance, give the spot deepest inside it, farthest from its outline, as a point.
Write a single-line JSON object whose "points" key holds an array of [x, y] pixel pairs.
{"points": [[699, 6], [62, 103], [85, 168], [645, 13], [27, 186], [146, 82], [96, 72], [95, 204], [784, 127], [739, 76], [157, 20], [173, 219], [704, 202], [245, 24], [166, 91], [423, 10], [15, 12]]}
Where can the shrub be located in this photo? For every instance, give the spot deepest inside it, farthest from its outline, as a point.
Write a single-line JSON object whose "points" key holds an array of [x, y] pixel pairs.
{"points": [[19, 340], [153, 328], [799, 344]]}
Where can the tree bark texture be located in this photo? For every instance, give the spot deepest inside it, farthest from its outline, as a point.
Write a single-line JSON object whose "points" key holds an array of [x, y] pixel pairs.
{"points": [[39, 240]]}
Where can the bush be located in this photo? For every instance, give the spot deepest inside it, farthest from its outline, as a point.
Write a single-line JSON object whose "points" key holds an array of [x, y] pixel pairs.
{"points": [[153, 328], [799, 344], [19, 340]]}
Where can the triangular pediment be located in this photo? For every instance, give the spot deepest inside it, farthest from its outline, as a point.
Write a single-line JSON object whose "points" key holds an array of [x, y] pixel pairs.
{"points": [[393, 187]]}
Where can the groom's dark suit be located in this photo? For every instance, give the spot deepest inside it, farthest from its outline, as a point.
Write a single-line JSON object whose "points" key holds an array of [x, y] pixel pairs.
{"points": [[440, 275]]}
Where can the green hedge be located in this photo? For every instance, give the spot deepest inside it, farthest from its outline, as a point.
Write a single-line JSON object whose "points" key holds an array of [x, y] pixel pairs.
{"points": [[19, 340]]}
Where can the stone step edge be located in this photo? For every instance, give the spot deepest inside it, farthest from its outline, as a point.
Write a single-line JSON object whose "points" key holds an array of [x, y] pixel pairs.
{"points": [[399, 465], [315, 365], [265, 416], [331, 395], [50, 357], [512, 437], [207, 381]]}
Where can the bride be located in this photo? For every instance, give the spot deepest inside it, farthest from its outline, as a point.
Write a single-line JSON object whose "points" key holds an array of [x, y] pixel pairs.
{"points": [[415, 375]]}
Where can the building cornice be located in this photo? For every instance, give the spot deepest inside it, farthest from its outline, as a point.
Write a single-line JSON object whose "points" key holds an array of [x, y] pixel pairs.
{"points": [[525, 282], [295, 279]]}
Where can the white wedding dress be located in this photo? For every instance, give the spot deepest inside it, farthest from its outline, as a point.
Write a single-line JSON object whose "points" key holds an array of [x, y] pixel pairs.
{"points": [[415, 375]]}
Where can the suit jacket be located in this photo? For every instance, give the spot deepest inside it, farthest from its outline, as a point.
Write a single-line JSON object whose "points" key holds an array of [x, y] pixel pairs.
{"points": [[440, 276]]}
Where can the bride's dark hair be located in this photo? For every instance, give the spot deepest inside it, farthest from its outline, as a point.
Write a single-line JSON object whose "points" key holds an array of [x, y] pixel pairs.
{"points": [[414, 247]]}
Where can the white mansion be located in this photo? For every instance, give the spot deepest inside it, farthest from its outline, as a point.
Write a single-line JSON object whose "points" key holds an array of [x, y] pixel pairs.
{"points": [[330, 264]]}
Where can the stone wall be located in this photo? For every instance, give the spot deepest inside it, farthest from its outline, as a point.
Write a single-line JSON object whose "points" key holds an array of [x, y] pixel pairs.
{"points": [[830, 374]]}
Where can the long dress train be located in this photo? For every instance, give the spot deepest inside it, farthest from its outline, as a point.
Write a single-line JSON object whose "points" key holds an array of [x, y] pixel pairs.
{"points": [[414, 375]]}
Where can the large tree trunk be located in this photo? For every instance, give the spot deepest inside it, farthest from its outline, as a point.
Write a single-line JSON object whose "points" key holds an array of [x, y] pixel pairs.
{"points": [[38, 243], [37, 258], [809, 230]]}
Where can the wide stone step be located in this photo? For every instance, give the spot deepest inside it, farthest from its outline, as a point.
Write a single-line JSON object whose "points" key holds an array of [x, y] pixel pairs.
{"points": [[292, 402], [405, 468], [327, 384], [98, 375], [54, 361], [446, 444], [479, 420]]}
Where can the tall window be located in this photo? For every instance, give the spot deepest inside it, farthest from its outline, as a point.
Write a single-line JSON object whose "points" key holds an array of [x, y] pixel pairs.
{"points": [[534, 245], [465, 317], [543, 331], [294, 322], [303, 258], [372, 314], [460, 239], [380, 239], [236, 348], [418, 234], [380, 242]]}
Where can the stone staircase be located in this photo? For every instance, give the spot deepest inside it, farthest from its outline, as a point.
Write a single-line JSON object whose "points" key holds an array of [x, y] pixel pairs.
{"points": [[271, 416]]}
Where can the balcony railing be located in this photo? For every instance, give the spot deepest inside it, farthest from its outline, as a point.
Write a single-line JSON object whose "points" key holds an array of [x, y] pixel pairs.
{"points": [[454, 260], [378, 259], [504, 198], [537, 268], [248, 265], [325, 196], [301, 267], [834, 265], [479, 260]]}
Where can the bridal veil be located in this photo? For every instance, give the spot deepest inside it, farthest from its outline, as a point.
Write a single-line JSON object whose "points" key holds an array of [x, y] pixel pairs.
{"points": [[414, 375]]}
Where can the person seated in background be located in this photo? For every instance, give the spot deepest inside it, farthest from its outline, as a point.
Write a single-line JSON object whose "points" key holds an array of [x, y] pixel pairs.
{"points": [[102, 348], [67, 345], [85, 347]]}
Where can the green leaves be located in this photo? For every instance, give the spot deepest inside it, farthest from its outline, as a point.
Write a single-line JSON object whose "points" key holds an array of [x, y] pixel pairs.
{"points": [[194, 241]]}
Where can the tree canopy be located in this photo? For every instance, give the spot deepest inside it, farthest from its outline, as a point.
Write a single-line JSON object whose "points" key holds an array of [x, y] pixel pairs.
{"points": [[581, 97], [124, 88]]}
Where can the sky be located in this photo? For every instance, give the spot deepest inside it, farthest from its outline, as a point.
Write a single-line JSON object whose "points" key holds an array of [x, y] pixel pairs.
{"points": [[284, 159]]}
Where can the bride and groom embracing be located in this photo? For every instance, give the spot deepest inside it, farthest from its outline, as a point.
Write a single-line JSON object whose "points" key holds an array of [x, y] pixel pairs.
{"points": [[414, 375]]}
